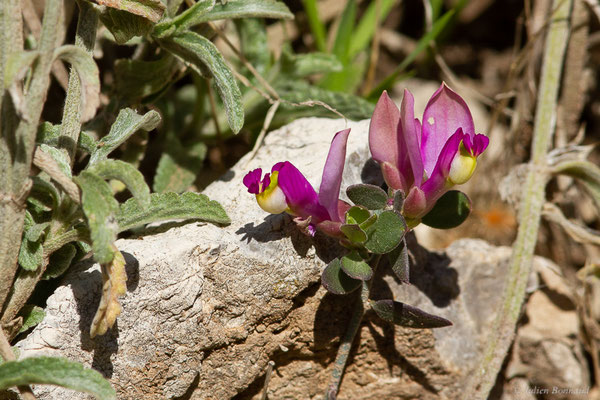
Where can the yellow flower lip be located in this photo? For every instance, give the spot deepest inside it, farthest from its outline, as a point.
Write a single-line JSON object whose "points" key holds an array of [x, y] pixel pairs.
{"points": [[272, 199], [462, 168]]}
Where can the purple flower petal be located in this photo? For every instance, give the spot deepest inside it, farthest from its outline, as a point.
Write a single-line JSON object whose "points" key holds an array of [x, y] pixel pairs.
{"points": [[393, 177], [415, 203], [411, 135], [383, 130], [481, 143], [300, 195], [329, 191], [445, 112], [252, 181], [436, 185]]}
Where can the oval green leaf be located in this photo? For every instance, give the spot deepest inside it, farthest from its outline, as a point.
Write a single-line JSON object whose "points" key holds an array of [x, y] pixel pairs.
{"points": [[399, 262], [335, 280], [451, 210], [370, 196], [355, 267], [386, 233]]}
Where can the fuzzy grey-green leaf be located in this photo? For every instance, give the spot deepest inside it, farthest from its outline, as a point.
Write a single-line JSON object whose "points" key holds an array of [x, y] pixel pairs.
{"points": [[60, 261], [201, 54], [386, 233], [335, 280], [127, 123], [190, 17], [124, 25], [32, 315], [178, 166], [169, 206], [136, 79], [126, 173], [55, 371], [89, 77], [17, 65], [370, 196], [247, 9], [355, 267], [100, 208], [31, 255], [406, 315]]}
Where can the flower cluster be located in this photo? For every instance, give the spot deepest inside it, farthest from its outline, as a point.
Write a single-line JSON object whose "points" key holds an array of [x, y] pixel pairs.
{"points": [[423, 160]]}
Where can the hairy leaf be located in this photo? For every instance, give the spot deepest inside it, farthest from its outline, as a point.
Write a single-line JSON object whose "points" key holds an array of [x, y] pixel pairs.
{"points": [[370, 196], [354, 233], [451, 210], [335, 280], [253, 42], [399, 262], [89, 77], [135, 79], [355, 267], [407, 316], [386, 233], [126, 173], [99, 207], [126, 124], [357, 215], [201, 54], [60, 261], [151, 10], [114, 279], [185, 20], [232, 9], [60, 157], [124, 25], [55, 371], [32, 315], [45, 192], [168, 206], [17, 65], [86, 143], [301, 65], [178, 166], [297, 91], [31, 255]]}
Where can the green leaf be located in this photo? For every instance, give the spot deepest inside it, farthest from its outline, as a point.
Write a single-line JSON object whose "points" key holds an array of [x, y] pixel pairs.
{"points": [[17, 65], [178, 166], [44, 191], [363, 33], [585, 172], [60, 157], [89, 77], [370, 196], [302, 65], [297, 91], [60, 261], [35, 232], [386, 233], [190, 17], [253, 43], [437, 28], [126, 173], [48, 134], [169, 206], [357, 215], [335, 280], [31, 255], [316, 25], [343, 36], [135, 79], [55, 371], [32, 315], [399, 262], [86, 143], [355, 267], [201, 54], [99, 207], [407, 316], [151, 10], [124, 25], [232, 9], [126, 124], [354, 233], [451, 210]]}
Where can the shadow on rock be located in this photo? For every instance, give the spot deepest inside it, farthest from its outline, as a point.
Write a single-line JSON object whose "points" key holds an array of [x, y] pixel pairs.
{"points": [[87, 291]]}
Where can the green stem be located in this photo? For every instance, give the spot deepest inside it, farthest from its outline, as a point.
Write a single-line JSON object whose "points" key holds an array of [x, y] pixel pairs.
{"points": [[17, 145], [532, 201], [346, 343], [85, 37]]}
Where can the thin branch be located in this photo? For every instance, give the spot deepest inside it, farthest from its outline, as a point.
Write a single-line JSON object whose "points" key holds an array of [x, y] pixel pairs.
{"points": [[502, 333], [263, 131]]}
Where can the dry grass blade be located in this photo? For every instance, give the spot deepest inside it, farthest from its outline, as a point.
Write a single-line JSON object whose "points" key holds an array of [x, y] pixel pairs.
{"points": [[114, 285]]}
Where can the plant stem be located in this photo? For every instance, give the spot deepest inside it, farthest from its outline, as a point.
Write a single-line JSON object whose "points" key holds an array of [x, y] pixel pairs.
{"points": [[346, 344], [85, 37], [530, 208], [17, 143]]}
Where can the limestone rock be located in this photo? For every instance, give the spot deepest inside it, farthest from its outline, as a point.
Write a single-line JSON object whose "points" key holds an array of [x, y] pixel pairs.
{"points": [[207, 307]]}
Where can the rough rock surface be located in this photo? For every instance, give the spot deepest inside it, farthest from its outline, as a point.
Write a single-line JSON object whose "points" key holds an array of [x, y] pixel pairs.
{"points": [[207, 307]]}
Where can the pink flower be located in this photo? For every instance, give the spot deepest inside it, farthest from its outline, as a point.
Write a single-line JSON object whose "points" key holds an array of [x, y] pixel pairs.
{"points": [[425, 160]]}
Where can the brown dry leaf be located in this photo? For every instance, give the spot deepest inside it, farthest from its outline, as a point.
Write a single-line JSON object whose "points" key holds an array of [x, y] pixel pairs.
{"points": [[149, 9], [114, 285]]}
